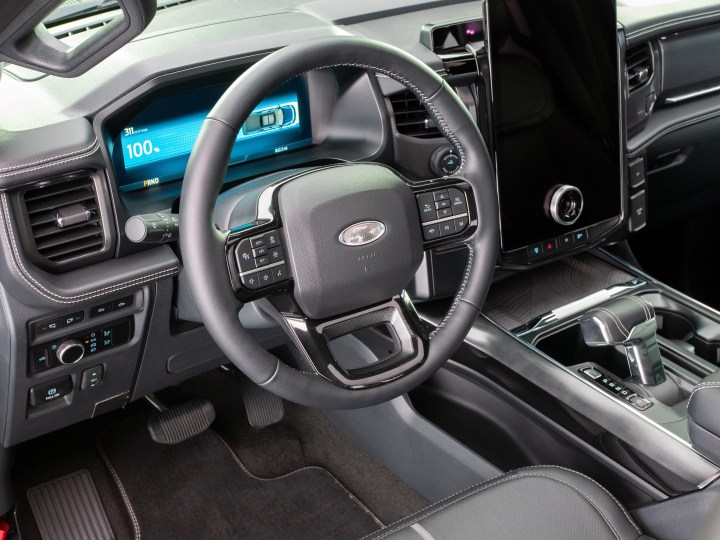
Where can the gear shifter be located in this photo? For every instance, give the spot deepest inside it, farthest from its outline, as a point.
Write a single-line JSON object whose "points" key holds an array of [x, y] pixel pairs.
{"points": [[628, 321]]}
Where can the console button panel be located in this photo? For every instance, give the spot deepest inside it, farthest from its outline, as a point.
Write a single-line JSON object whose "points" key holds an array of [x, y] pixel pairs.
{"points": [[44, 356], [261, 261], [615, 387], [443, 213]]}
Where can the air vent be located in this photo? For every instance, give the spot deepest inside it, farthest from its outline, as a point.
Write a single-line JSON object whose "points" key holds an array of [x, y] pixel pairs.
{"points": [[639, 66], [64, 219], [97, 20], [411, 118]]}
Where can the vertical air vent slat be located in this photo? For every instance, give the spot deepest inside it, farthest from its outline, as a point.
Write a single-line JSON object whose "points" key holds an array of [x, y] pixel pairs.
{"points": [[60, 244], [411, 118], [639, 66]]}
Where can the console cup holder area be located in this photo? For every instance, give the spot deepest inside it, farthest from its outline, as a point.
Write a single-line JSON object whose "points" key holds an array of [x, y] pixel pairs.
{"points": [[568, 347], [690, 331]]}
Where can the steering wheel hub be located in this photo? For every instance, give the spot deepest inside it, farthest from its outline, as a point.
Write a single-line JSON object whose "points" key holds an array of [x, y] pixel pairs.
{"points": [[332, 277]]}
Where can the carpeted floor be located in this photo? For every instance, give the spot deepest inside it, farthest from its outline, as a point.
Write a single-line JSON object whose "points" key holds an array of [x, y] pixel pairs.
{"points": [[200, 489], [210, 486]]}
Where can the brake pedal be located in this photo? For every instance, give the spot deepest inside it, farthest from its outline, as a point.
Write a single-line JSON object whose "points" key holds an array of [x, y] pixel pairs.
{"points": [[263, 408], [181, 422]]}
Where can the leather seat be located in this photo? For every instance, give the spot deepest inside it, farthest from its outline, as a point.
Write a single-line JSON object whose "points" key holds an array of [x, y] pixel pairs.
{"points": [[533, 503]]}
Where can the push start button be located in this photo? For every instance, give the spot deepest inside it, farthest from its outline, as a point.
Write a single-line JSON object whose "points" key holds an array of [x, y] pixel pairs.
{"points": [[51, 391]]}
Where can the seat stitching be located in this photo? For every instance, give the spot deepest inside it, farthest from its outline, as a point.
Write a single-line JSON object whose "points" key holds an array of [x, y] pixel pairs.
{"points": [[617, 322], [123, 493], [17, 263], [458, 296], [702, 386], [53, 158], [622, 508], [435, 508], [52, 164]]}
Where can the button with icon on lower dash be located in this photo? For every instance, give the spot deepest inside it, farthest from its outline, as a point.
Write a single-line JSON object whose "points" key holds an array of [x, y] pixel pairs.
{"points": [[534, 251]]}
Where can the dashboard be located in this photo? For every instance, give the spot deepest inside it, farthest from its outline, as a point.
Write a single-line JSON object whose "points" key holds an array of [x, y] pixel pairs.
{"points": [[578, 126]]}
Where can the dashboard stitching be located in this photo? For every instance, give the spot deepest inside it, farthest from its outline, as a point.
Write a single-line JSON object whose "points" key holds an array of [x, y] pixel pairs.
{"points": [[458, 296], [61, 299], [53, 164], [421, 96], [419, 516], [672, 22], [46, 160]]}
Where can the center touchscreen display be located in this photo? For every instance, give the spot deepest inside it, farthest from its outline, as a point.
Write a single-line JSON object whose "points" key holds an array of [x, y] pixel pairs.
{"points": [[154, 147], [556, 115]]}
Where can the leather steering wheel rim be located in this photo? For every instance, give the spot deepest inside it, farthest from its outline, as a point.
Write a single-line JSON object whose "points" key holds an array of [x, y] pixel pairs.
{"points": [[202, 244]]}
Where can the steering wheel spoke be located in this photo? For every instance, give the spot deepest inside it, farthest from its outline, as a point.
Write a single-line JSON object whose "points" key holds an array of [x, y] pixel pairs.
{"points": [[447, 211], [399, 337]]}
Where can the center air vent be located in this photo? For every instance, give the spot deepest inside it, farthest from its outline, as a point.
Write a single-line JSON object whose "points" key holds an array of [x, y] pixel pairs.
{"points": [[639, 66], [411, 118], [64, 219]]}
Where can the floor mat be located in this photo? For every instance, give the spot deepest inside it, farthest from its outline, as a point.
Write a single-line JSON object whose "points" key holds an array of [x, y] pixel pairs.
{"points": [[200, 489]]}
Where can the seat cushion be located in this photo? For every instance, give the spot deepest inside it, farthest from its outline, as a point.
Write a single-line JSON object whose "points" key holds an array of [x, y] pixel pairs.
{"points": [[536, 502]]}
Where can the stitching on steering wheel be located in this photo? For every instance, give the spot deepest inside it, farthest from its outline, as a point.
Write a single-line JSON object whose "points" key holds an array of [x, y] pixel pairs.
{"points": [[458, 296]]}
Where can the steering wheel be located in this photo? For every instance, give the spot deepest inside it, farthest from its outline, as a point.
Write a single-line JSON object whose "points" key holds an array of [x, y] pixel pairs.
{"points": [[352, 238]]}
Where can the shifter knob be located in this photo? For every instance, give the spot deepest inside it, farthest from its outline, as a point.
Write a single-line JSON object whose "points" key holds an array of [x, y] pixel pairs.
{"points": [[628, 321]]}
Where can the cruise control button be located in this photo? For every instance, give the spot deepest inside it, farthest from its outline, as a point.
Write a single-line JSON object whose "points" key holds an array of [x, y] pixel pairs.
{"points": [[259, 252], [457, 199], [444, 212], [244, 256], [276, 255], [447, 228], [426, 204], [279, 273], [251, 281], [258, 242], [265, 277], [272, 239], [445, 203], [431, 232], [262, 261], [441, 195], [460, 224]]}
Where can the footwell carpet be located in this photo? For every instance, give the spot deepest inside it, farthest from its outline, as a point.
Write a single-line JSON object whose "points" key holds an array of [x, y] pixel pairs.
{"points": [[200, 489]]}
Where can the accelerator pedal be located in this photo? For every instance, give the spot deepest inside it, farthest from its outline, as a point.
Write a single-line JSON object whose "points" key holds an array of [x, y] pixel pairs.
{"points": [[69, 508], [263, 408], [180, 422]]}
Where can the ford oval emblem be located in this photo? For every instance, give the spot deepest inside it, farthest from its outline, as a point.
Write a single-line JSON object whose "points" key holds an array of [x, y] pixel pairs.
{"points": [[360, 234]]}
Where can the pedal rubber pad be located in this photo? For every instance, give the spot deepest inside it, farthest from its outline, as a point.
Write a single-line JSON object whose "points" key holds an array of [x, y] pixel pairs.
{"points": [[181, 422], [263, 408], [69, 508]]}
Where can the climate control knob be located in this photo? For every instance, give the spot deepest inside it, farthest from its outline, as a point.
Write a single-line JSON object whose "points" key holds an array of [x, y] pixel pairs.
{"points": [[70, 351], [565, 204]]}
